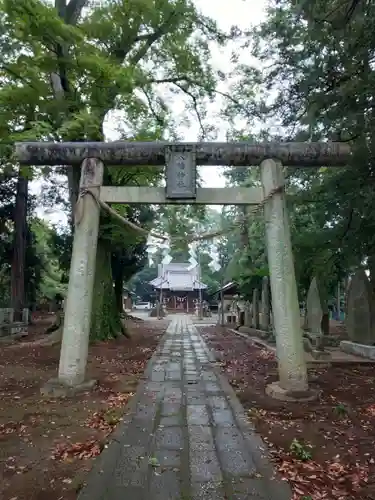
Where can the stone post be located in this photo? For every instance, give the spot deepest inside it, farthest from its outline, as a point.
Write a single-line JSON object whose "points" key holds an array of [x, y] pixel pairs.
{"points": [[25, 316], [247, 318], [255, 319], [265, 305], [285, 307], [77, 318]]}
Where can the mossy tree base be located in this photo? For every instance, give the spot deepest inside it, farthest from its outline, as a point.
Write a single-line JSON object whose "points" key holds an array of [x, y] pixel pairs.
{"points": [[106, 321], [58, 323]]}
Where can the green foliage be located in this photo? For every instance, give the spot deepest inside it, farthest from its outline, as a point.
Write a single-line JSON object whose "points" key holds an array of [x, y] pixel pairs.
{"points": [[328, 66], [44, 277], [300, 450], [139, 283], [341, 410], [248, 263], [180, 222], [101, 68], [52, 283], [64, 70], [314, 80]]}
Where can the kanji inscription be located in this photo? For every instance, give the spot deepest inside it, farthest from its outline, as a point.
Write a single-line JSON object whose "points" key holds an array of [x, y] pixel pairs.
{"points": [[180, 173]]}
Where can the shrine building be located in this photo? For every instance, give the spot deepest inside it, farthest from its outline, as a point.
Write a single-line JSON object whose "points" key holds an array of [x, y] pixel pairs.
{"points": [[179, 285]]}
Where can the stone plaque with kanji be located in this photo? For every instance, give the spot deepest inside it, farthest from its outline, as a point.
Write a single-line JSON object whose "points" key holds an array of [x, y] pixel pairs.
{"points": [[180, 173]]}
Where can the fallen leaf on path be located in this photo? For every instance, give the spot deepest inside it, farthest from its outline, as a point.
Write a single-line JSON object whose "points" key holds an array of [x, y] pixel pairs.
{"points": [[66, 451]]}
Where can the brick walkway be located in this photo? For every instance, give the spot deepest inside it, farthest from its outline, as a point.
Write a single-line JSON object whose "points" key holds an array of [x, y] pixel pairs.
{"points": [[184, 436]]}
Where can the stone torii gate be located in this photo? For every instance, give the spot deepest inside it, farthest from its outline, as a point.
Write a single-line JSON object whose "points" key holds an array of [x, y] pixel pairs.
{"points": [[181, 160]]}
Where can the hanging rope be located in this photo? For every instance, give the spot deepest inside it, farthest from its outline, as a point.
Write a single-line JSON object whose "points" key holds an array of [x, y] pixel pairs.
{"points": [[241, 220], [126, 222], [78, 213]]}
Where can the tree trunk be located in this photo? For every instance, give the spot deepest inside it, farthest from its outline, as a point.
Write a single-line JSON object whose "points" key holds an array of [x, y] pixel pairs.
{"points": [[74, 175], [371, 268], [105, 318], [325, 323], [19, 248], [118, 290], [323, 293], [245, 227]]}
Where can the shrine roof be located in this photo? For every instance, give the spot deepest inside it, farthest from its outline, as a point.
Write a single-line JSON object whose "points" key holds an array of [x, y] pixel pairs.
{"points": [[177, 276]]}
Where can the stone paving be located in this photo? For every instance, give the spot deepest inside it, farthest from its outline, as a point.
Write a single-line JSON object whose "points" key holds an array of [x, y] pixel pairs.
{"points": [[184, 435]]}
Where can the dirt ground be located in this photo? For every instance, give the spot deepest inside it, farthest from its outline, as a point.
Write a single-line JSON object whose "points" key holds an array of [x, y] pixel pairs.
{"points": [[324, 449], [47, 445]]}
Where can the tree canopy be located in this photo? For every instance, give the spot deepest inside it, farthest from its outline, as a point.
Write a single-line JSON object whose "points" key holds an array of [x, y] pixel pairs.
{"points": [[312, 81], [68, 65]]}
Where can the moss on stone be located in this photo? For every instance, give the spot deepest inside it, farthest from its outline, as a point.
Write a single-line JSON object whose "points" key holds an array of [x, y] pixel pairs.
{"points": [[105, 318]]}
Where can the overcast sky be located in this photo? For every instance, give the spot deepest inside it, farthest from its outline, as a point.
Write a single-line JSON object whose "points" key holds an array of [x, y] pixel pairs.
{"points": [[243, 13]]}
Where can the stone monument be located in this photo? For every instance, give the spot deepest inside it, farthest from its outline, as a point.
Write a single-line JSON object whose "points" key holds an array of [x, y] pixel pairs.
{"points": [[360, 320], [313, 338], [247, 317], [314, 309]]}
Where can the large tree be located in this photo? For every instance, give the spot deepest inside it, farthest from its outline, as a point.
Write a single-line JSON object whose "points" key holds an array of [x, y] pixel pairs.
{"points": [[77, 64], [314, 80]]}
